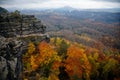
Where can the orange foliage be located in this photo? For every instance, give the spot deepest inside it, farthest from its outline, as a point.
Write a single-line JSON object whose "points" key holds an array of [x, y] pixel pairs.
{"points": [[77, 62], [56, 65], [33, 63], [47, 54]]}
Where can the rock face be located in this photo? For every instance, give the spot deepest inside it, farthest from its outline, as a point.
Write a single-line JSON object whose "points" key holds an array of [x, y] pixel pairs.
{"points": [[15, 24], [16, 31], [10, 58]]}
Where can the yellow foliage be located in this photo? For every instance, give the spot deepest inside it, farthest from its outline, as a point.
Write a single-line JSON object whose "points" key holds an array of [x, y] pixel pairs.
{"points": [[31, 48], [25, 79], [58, 41], [96, 55], [28, 58], [110, 65], [45, 56], [53, 77]]}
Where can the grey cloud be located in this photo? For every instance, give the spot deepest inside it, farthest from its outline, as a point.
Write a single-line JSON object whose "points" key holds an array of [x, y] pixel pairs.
{"points": [[109, 0], [21, 1], [48, 3], [2, 1]]}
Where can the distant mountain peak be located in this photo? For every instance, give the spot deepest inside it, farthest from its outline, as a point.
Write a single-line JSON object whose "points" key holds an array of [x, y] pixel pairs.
{"points": [[66, 8]]}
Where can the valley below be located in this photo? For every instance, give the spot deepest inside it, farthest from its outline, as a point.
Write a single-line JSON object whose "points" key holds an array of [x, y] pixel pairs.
{"points": [[88, 27]]}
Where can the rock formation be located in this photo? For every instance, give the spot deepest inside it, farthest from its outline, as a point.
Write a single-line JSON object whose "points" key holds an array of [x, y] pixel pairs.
{"points": [[14, 24], [16, 31]]}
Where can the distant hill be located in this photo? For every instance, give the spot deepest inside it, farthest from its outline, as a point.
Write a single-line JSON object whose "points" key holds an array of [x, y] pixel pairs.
{"points": [[102, 15], [97, 26], [3, 10]]}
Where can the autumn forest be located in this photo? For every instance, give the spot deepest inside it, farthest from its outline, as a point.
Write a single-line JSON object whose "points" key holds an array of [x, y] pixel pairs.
{"points": [[64, 60]]}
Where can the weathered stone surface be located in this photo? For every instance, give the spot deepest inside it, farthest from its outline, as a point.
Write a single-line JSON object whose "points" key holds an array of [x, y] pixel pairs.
{"points": [[11, 26], [10, 52], [16, 31], [3, 68]]}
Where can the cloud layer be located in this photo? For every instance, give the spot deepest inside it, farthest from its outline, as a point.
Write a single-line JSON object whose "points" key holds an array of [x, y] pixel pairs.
{"points": [[109, 0], [84, 4]]}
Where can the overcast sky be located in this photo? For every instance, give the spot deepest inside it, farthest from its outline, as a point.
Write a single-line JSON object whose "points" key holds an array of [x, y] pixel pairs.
{"points": [[81, 4]]}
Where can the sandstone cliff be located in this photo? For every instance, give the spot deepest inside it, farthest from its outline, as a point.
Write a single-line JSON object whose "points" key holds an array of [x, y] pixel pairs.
{"points": [[16, 31]]}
